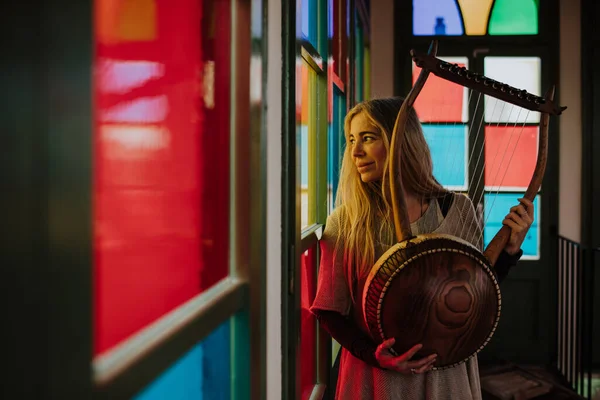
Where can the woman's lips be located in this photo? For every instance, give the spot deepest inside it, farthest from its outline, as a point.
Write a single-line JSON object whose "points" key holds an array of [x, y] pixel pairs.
{"points": [[363, 167]]}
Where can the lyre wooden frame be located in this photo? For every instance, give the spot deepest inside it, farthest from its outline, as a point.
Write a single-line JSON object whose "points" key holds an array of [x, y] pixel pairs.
{"points": [[429, 63]]}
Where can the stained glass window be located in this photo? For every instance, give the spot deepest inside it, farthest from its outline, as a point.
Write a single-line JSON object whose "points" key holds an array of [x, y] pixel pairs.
{"points": [[442, 107], [436, 17], [305, 94], [156, 226], [203, 373], [448, 145], [496, 206], [336, 142], [441, 100], [475, 17], [307, 24], [519, 72], [510, 154], [514, 17], [359, 63]]}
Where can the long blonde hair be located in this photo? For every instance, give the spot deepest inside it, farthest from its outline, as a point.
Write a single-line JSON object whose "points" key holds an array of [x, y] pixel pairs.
{"points": [[366, 207]]}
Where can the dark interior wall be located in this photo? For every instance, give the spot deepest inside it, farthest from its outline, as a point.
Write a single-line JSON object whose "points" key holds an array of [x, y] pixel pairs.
{"points": [[590, 59], [20, 204], [45, 207]]}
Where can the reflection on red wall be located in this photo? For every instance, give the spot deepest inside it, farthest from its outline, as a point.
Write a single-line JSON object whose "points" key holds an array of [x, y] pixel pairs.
{"points": [[161, 147]]}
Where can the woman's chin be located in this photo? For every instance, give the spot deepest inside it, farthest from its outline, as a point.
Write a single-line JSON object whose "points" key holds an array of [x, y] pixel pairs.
{"points": [[369, 177]]}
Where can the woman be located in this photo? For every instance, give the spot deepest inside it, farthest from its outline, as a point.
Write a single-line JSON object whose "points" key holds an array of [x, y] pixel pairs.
{"points": [[360, 230]]}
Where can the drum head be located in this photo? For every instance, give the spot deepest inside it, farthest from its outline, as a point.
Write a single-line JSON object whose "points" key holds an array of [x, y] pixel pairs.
{"points": [[437, 290]]}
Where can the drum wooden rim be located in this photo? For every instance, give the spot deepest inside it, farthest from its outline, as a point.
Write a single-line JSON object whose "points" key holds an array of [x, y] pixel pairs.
{"points": [[375, 326]]}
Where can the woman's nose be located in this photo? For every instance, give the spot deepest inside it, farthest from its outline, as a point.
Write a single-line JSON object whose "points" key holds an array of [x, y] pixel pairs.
{"points": [[357, 150]]}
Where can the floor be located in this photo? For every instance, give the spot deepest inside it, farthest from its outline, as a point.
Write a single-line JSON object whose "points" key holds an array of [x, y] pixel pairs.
{"points": [[520, 382]]}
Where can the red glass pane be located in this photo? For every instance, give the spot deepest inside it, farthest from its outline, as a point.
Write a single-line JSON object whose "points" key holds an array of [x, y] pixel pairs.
{"points": [[161, 159], [510, 156], [308, 324], [441, 100], [339, 41]]}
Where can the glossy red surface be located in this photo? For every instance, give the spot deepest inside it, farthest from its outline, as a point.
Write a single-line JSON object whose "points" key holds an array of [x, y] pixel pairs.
{"points": [[161, 168]]}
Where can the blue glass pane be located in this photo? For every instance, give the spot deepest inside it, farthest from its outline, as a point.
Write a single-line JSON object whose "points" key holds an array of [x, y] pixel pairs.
{"points": [[203, 373], [308, 21], [448, 145], [330, 19], [436, 17], [305, 17], [497, 206]]}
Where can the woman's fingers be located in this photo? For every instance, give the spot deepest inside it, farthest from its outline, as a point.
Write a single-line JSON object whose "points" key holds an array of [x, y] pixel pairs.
{"points": [[411, 352], [528, 205], [424, 368], [423, 362], [384, 346]]}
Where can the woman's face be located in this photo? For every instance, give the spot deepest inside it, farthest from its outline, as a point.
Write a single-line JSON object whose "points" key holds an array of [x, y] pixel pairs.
{"points": [[367, 148]]}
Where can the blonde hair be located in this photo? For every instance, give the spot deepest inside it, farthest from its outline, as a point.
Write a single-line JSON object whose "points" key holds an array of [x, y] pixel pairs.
{"points": [[366, 207]]}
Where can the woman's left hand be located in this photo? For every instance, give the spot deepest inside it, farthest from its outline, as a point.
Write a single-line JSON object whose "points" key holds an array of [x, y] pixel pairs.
{"points": [[518, 220]]}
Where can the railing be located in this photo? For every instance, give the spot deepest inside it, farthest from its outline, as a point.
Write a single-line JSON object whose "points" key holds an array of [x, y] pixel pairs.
{"points": [[575, 314]]}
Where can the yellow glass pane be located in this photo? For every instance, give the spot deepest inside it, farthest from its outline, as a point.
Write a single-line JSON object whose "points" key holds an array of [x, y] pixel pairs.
{"points": [[475, 15], [306, 128]]}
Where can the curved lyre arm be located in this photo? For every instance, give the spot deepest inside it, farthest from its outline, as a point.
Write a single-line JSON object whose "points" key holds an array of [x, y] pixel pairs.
{"points": [[399, 208], [498, 243]]}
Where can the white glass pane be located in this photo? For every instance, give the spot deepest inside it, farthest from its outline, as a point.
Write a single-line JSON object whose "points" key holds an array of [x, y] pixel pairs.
{"points": [[519, 72]]}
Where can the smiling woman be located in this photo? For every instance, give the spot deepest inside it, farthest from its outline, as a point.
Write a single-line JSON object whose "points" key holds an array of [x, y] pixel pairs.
{"points": [[368, 148]]}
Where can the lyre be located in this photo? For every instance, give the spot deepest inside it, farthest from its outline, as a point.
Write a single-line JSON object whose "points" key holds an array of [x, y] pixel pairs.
{"points": [[452, 310]]}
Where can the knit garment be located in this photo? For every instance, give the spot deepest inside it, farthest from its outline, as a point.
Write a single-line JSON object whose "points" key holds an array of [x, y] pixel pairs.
{"points": [[358, 380]]}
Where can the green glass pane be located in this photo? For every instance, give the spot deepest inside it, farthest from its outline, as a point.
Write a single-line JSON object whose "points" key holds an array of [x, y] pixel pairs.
{"points": [[514, 17]]}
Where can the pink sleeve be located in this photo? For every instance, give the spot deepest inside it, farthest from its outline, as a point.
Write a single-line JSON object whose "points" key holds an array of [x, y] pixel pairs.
{"points": [[333, 293]]}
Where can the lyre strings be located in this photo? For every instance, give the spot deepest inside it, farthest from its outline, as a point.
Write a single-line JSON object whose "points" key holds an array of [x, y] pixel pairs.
{"points": [[483, 111]]}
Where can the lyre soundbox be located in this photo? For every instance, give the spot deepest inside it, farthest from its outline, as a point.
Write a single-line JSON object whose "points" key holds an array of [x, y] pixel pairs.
{"points": [[438, 289]]}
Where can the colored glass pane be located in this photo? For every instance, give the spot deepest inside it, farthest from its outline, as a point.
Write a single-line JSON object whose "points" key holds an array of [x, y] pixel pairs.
{"points": [[308, 324], [203, 373], [497, 205], [330, 13], [367, 75], [306, 125], [436, 17], [308, 21], [514, 17], [519, 72], [339, 43], [335, 143], [156, 224], [359, 64], [448, 145], [441, 100], [510, 156], [475, 14]]}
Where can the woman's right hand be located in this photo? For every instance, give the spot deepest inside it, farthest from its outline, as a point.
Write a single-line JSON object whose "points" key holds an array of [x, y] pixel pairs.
{"points": [[403, 363]]}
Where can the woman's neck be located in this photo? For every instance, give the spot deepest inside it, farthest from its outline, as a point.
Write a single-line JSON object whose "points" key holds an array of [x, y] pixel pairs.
{"points": [[416, 205]]}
